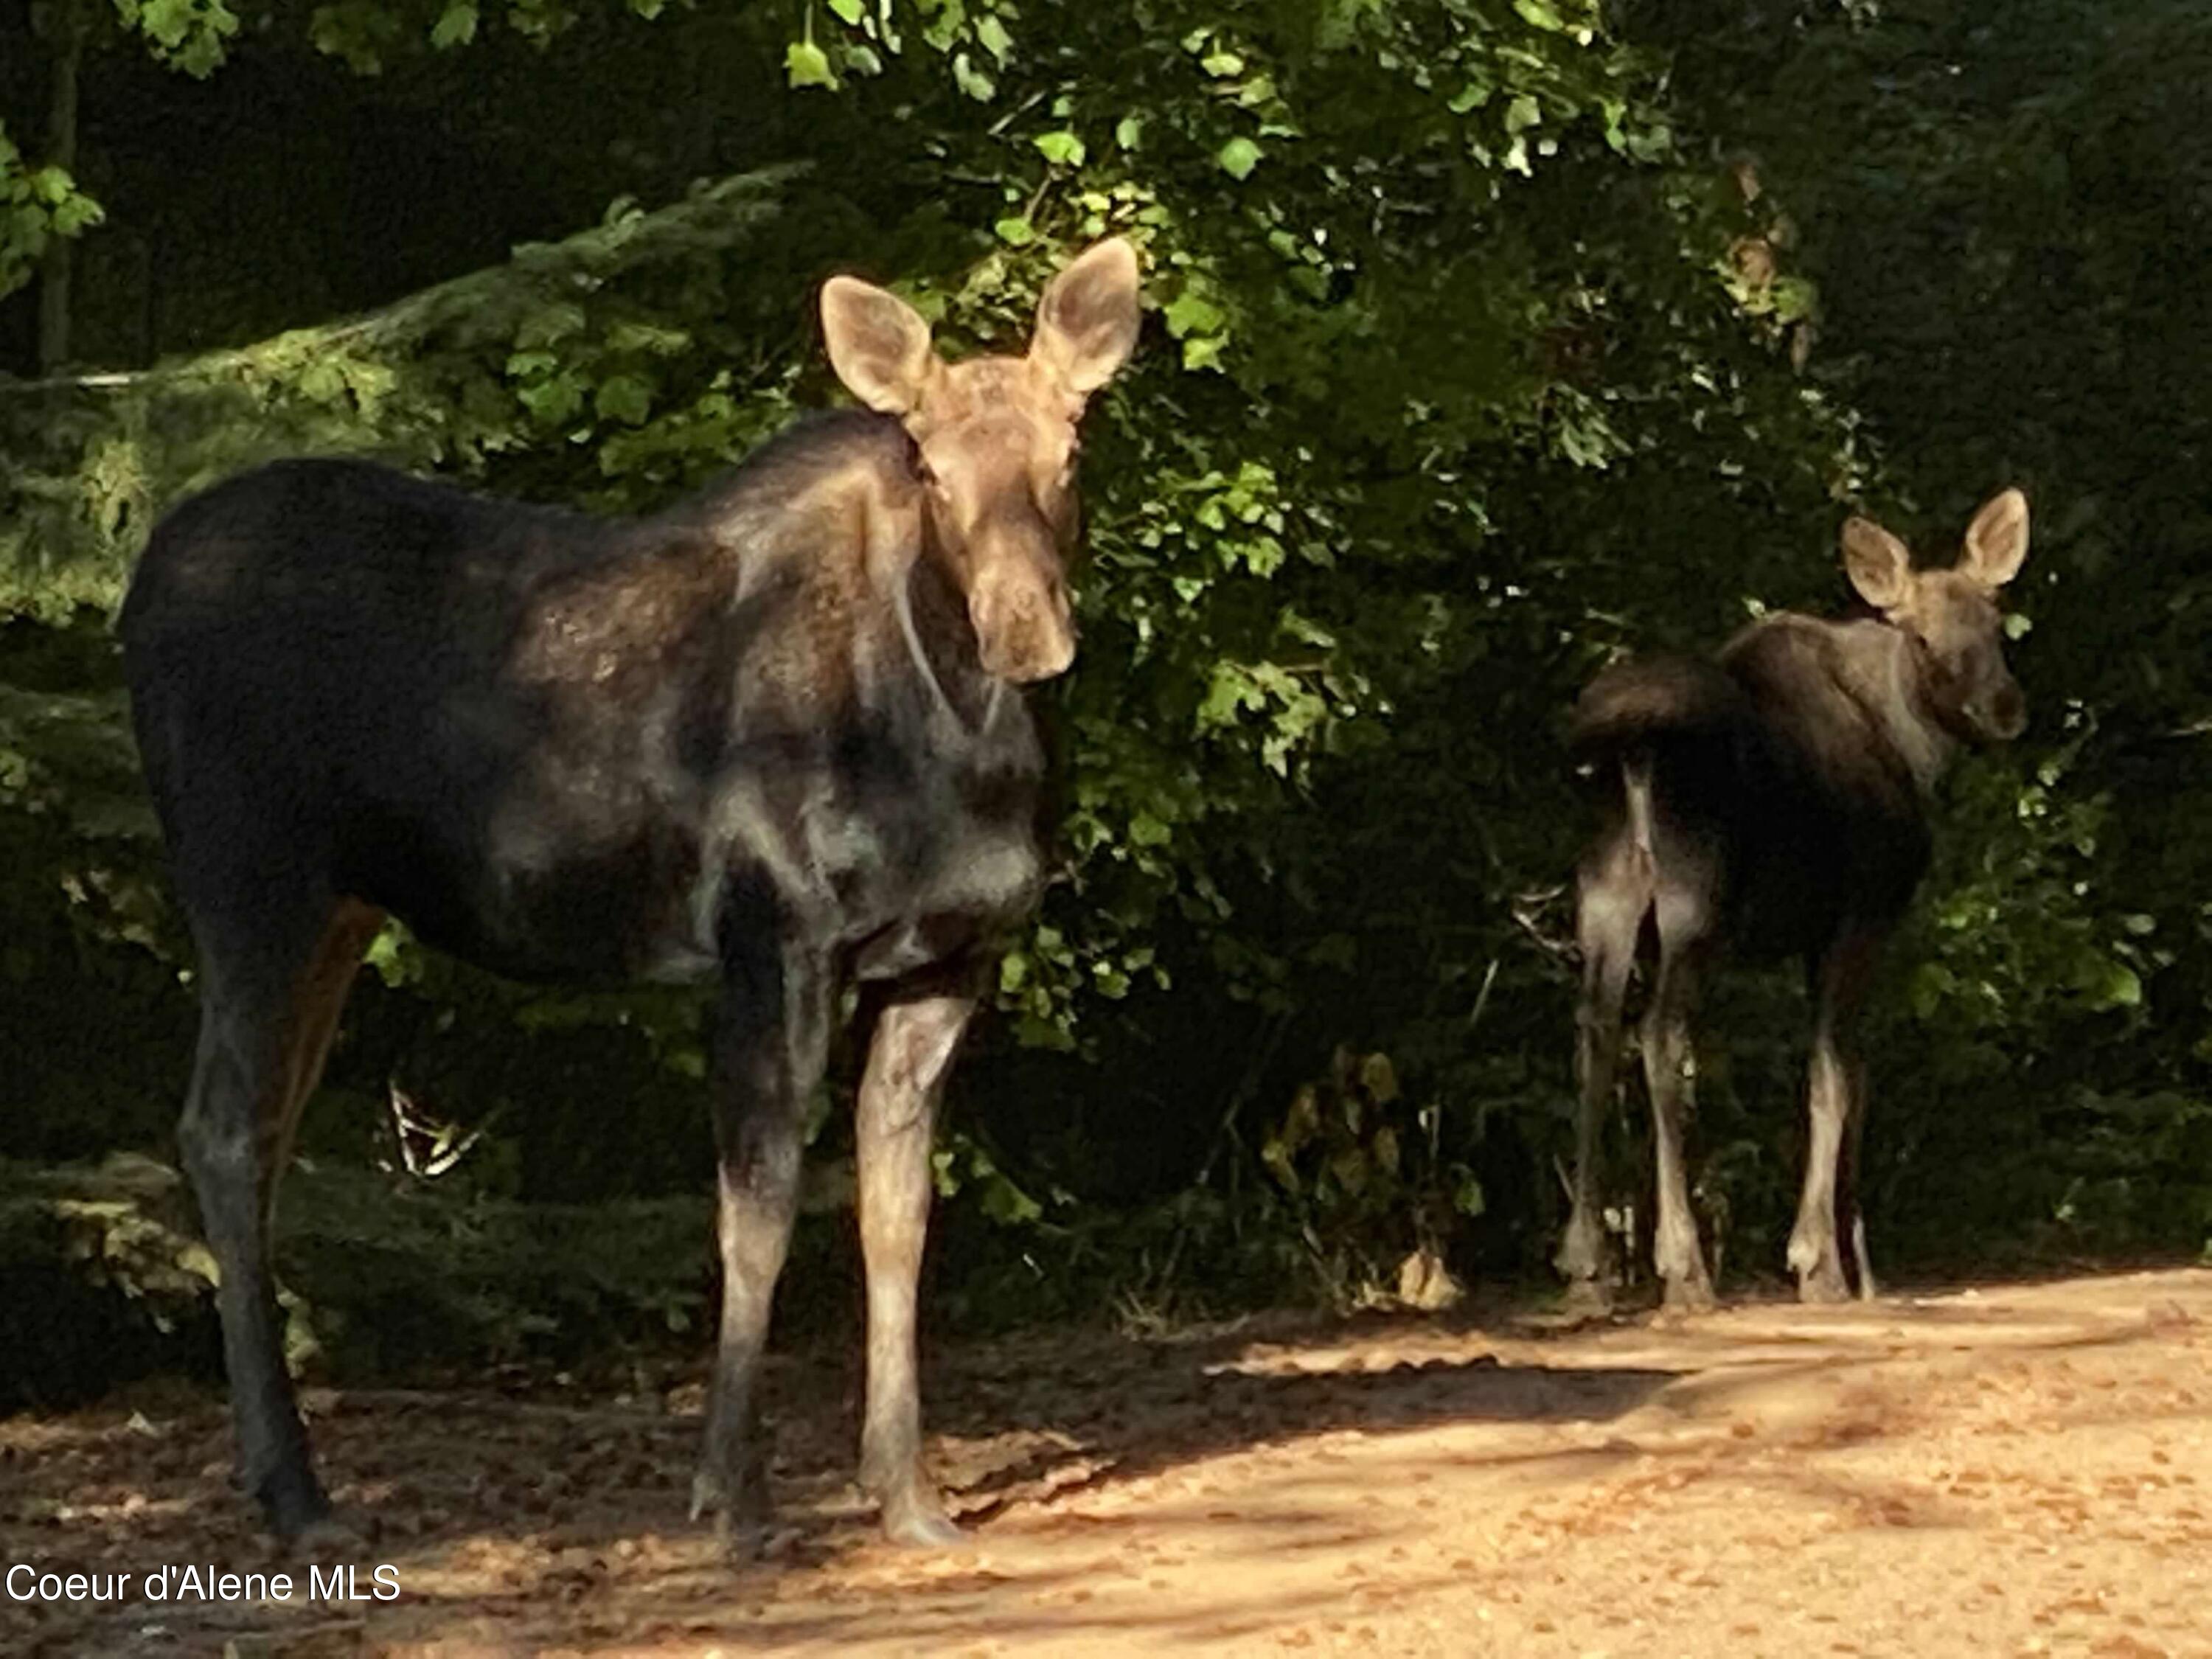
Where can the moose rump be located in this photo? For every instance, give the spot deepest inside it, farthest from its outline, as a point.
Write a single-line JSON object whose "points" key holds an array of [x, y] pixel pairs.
{"points": [[772, 737], [1773, 802]]}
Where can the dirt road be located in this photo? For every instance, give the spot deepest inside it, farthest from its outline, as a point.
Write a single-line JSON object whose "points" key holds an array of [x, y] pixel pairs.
{"points": [[2018, 1470]]}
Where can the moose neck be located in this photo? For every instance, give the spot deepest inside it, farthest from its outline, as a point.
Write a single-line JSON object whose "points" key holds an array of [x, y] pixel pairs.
{"points": [[941, 636], [1884, 675]]}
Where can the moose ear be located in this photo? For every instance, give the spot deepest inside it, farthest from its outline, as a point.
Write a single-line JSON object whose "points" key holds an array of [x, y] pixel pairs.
{"points": [[879, 344], [1996, 541], [1878, 565], [1086, 324]]}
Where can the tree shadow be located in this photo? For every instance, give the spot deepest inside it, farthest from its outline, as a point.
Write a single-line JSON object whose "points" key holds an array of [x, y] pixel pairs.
{"points": [[504, 1510], [556, 1514]]}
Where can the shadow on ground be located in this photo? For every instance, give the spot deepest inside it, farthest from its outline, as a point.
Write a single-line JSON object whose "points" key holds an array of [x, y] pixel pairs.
{"points": [[516, 1519]]}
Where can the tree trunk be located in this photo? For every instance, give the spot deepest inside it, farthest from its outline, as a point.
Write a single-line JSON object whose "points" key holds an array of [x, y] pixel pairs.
{"points": [[65, 34]]}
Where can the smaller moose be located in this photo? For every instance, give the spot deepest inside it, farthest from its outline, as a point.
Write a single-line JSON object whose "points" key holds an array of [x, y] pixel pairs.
{"points": [[1775, 801]]}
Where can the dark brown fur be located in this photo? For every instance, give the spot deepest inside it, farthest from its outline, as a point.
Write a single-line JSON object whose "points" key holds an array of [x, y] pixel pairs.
{"points": [[773, 737], [1774, 800]]}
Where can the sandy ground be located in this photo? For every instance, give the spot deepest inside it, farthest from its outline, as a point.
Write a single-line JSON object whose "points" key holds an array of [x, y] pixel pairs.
{"points": [[2013, 1470]]}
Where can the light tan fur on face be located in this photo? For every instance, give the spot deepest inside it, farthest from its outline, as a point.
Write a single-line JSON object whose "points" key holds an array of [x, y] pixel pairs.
{"points": [[1952, 614], [996, 438]]}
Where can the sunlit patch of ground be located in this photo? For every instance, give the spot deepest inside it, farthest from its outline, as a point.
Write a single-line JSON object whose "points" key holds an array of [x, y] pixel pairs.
{"points": [[2019, 1470]]}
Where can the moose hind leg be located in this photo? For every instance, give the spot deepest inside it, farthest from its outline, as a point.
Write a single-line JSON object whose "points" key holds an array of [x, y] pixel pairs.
{"points": [[261, 995], [1839, 976], [1669, 1073], [770, 1046], [318, 1002], [909, 1058], [1610, 913]]}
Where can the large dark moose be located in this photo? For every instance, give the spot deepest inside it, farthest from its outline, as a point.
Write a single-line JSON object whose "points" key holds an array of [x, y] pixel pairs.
{"points": [[1774, 800], [772, 737]]}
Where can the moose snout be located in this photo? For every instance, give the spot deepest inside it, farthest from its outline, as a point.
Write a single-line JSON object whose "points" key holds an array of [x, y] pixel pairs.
{"points": [[1024, 631], [2003, 712]]}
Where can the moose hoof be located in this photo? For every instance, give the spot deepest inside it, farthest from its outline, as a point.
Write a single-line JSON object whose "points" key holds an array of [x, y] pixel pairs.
{"points": [[744, 1536], [1823, 1286], [1690, 1296], [743, 1525], [328, 1537], [921, 1527], [1588, 1298], [292, 1504], [744, 1542]]}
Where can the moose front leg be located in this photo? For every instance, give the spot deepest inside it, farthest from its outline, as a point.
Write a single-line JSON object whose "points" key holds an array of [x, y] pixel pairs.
{"points": [[771, 1039], [912, 1051], [1850, 1216]]}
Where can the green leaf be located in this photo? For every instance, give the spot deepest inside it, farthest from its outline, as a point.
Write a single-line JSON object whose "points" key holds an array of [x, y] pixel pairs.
{"points": [[624, 398], [1015, 231], [1468, 1197], [1794, 297], [1473, 96], [849, 12], [1061, 149], [1931, 983], [2115, 986], [199, 1260], [805, 65], [552, 401], [456, 25], [1238, 157], [322, 381], [991, 34], [972, 81], [1540, 12], [1190, 312], [79, 213]]}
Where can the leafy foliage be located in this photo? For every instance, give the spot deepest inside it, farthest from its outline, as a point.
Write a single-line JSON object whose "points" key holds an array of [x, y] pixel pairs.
{"points": [[407, 1277], [1491, 339], [37, 204]]}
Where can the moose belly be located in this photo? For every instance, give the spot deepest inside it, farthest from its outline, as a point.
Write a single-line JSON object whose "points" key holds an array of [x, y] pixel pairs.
{"points": [[599, 915], [583, 868]]}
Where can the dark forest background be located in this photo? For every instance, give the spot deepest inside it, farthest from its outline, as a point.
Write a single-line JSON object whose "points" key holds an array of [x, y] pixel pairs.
{"points": [[1485, 340]]}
